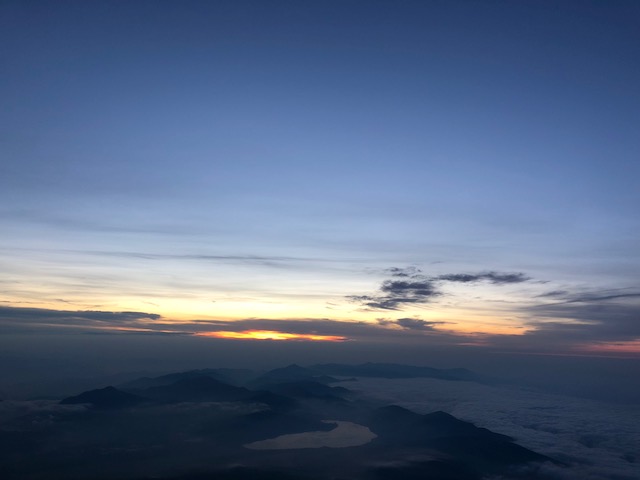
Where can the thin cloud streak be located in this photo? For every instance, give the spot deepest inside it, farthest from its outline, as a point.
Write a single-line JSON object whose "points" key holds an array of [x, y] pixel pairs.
{"points": [[43, 321], [579, 322], [491, 277]]}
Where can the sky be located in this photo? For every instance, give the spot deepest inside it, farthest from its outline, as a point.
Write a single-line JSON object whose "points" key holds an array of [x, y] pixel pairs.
{"points": [[437, 174]]}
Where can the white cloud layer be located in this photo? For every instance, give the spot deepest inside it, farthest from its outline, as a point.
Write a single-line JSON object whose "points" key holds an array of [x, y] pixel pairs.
{"points": [[599, 441]]}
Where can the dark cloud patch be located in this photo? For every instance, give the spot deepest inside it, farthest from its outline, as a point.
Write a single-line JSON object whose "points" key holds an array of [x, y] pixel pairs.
{"points": [[418, 288], [496, 278], [409, 286], [380, 302], [411, 324], [396, 293], [403, 272], [417, 324]]}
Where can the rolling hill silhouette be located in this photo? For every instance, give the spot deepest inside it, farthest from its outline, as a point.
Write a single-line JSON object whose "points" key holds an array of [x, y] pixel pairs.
{"points": [[106, 398], [191, 425]]}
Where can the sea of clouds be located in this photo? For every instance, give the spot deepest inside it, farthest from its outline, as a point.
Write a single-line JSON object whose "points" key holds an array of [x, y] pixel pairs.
{"points": [[598, 441]]}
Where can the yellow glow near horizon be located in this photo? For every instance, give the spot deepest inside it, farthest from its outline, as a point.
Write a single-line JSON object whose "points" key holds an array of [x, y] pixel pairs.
{"points": [[176, 311], [187, 309], [484, 329], [271, 335]]}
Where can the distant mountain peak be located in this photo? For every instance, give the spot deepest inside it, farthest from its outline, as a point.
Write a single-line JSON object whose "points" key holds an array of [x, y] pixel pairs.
{"points": [[290, 369], [198, 388], [107, 397], [290, 373]]}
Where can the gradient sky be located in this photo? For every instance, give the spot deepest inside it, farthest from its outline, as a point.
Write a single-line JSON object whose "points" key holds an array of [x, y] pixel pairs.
{"points": [[438, 172]]}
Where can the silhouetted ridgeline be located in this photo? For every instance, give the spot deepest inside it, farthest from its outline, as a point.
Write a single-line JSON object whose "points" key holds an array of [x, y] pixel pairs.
{"points": [[192, 425]]}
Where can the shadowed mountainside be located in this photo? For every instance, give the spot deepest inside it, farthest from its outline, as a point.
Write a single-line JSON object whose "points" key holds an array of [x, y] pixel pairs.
{"points": [[192, 426]]}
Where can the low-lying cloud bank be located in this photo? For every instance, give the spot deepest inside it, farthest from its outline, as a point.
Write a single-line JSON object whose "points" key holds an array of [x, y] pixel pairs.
{"points": [[35, 320], [598, 441], [560, 320]]}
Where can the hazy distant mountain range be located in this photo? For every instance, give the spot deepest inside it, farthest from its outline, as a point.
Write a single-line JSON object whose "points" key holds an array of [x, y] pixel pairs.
{"points": [[287, 423]]}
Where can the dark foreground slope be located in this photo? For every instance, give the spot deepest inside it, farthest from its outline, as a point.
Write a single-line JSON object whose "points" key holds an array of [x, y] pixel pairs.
{"points": [[192, 427]]}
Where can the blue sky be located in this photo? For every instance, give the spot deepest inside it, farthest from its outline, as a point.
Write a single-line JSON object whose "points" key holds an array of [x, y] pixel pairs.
{"points": [[238, 160]]}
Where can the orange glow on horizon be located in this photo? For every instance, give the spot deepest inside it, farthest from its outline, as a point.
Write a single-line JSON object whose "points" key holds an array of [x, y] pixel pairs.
{"points": [[271, 335]]}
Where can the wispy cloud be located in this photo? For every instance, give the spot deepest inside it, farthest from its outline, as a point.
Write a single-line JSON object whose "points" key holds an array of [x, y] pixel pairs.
{"points": [[36, 320], [599, 318], [62, 222], [20, 319], [91, 316], [553, 294], [574, 322], [249, 259], [496, 278]]}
